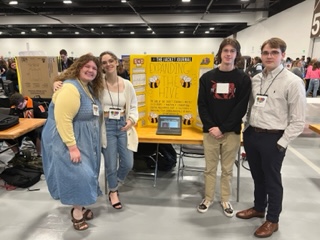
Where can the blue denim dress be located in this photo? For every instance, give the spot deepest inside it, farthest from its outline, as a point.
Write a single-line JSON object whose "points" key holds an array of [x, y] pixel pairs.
{"points": [[73, 183]]}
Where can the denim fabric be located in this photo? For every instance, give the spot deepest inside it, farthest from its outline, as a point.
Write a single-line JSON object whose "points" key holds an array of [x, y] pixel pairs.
{"points": [[313, 84], [73, 183], [116, 147]]}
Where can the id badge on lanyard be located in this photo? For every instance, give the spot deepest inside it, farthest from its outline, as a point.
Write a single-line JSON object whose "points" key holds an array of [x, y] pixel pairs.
{"points": [[95, 109], [260, 100], [114, 113]]}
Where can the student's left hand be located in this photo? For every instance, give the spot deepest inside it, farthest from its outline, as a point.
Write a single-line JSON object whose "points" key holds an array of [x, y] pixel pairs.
{"points": [[127, 126]]}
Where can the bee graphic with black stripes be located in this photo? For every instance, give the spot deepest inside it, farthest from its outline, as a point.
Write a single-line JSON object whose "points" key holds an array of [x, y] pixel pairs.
{"points": [[153, 117], [187, 119], [154, 82], [185, 81]]}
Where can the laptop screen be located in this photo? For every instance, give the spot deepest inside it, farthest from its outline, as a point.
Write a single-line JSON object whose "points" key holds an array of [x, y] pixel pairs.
{"points": [[169, 124]]}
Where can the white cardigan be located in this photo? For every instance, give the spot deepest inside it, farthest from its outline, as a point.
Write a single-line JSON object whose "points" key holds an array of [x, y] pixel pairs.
{"points": [[131, 112]]}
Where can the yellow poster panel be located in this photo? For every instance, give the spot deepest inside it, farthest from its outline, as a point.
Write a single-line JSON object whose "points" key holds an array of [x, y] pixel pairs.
{"points": [[168, 84]]}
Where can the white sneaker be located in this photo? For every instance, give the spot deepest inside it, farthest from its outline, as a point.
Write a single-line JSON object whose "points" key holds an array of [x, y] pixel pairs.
{"points": [[227, 209], [204, 206]]}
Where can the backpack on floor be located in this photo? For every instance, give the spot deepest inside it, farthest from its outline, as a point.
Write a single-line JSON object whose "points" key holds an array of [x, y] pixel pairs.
{"points": [[20, 176]]}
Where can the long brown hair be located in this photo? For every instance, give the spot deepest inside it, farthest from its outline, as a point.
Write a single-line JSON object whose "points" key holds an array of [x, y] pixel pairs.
{"points": [[73, 73]]}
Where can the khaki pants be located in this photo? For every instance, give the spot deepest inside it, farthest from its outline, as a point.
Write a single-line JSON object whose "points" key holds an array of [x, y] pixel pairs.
{"points": [[225, 150]]}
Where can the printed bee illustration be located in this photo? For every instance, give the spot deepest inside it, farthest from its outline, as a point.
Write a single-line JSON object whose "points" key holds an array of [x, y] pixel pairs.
{"points": [[185, 81], [154, 82], [187, 119], [153, 117]]}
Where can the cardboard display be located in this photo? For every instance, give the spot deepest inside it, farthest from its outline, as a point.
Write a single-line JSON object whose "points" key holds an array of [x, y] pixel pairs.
{"points": [[36, 75], [168, 85]]}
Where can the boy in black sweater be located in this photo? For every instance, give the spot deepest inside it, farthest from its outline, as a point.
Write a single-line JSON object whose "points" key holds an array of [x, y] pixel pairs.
{"points": [[222, 102]]}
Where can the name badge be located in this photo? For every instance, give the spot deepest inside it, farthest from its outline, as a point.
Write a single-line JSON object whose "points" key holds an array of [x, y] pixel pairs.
{"points": [[95, 108], [222, 88], [114, 113], [260, 100]]}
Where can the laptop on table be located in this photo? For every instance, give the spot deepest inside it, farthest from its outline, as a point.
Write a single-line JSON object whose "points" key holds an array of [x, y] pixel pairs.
{"points": [[169, 125]]}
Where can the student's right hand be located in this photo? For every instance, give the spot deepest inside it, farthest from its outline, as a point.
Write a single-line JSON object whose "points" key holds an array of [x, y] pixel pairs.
{"points": [[57, 85], [74, 154]]}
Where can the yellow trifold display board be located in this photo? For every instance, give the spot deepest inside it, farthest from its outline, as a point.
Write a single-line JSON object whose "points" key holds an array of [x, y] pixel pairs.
{"points": [[168, 84]]}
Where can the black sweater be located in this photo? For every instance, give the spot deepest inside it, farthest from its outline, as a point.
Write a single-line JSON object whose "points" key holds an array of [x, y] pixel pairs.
{"points": [[223, 110]]}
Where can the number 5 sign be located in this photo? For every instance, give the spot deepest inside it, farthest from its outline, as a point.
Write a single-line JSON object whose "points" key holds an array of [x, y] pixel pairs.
{"points": [[315, 29]]}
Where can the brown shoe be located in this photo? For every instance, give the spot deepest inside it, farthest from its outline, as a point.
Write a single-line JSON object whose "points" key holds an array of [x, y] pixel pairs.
{"points": [[266, 229], [249, 213]]}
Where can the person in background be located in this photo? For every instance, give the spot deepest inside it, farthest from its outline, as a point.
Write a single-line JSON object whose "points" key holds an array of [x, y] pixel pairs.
{"points": [[25, 107], [122, 72], [71, 140], [313, 73], [121, 114], [276, 116], [3, 68], [12, 75], [296, 68], [309, 68], [256, 67], [222, 102], [65, 62]]}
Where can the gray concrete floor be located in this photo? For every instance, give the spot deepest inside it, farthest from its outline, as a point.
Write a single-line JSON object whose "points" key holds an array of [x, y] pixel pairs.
{"points": [[168, 211]]}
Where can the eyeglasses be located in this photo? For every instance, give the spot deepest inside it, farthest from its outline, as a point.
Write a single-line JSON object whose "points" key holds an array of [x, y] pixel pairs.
{"points": [[272, 53]]}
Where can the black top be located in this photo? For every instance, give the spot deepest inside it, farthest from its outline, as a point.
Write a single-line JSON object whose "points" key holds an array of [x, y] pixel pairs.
{"points": [[223, 110]]}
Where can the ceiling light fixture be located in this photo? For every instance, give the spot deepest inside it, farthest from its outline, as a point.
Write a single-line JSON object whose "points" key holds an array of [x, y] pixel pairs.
{"points": [[67, 2], [186, 0], [181, 32], [76, 33], [33, 29], [131, 32], [0, 33], [153, 33], [13, 2], [149, 29], [23, 33], [49, 33], [206, 32], [123, 1], [212, 28]]}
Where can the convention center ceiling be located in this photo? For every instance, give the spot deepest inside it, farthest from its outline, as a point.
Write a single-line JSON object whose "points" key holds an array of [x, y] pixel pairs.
{"points": [[133, 19]]}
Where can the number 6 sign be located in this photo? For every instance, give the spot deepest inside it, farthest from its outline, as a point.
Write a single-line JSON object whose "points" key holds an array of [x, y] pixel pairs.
{"points": [[315, 29]]}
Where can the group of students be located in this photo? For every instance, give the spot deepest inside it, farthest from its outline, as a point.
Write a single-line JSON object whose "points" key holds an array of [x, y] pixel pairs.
{"points": [[94, 108], [273, 105]]}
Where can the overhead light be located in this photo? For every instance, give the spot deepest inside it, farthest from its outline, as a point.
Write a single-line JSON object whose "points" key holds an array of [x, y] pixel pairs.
{"points": [[67, 2], [0, 33], [76, 33], [149, 29], [33, 29], [123, 1], [245, 0], [153, 32], [92, 29], [212, 28], [49, 33], [186, 0], [23, 33], [131, 32], [13, 2], [181, 32], [206, 32]]}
